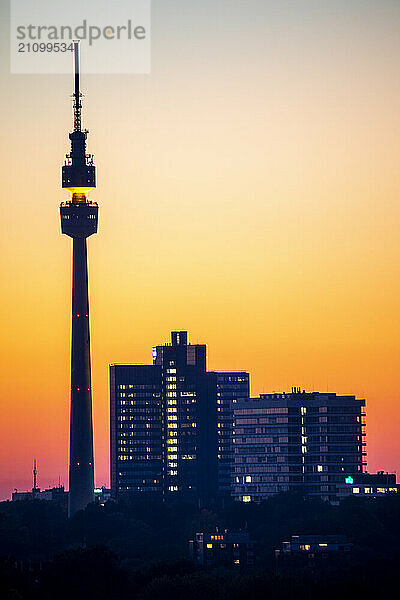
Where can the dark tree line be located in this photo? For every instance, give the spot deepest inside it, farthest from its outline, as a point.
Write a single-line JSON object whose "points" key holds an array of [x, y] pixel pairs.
{"points": [[139, 550]]}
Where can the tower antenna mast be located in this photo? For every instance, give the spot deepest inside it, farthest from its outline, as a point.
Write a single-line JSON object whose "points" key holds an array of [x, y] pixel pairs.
{"points": [[77, 93]]}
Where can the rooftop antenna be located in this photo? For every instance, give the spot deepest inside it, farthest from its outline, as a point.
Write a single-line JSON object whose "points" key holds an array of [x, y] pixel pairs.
{"points": [[34, 476]]}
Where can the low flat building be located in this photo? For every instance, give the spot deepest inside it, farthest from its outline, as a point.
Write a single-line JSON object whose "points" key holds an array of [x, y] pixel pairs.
{"points": [[55, 494], [315, 544], [318, 553], [102, 495], [368, 485], [226, 549]]}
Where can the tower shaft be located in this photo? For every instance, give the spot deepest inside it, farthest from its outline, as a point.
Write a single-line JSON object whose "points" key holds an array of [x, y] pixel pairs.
{"points": [[79, 218], [81, 468]]}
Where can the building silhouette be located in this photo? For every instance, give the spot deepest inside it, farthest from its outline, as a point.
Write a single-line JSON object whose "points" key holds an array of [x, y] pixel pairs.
{"points": [[163, 423], [190, 415], [56, 495], [179, 430], [137, 424], [367, 485], [296, 441], [232, 387], [171, 423], [79, 221], [224, 549]]}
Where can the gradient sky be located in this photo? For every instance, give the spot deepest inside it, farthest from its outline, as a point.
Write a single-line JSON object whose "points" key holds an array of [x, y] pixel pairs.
{"points": [[249, 192]]}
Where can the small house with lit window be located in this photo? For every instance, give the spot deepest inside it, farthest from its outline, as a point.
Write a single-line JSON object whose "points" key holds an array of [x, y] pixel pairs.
{"points": [[316, 544], [230, 549], [304, 552], [322, 552]]}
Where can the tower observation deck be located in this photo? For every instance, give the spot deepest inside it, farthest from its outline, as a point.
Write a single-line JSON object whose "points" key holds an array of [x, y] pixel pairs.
{"points": [[79, 221]]}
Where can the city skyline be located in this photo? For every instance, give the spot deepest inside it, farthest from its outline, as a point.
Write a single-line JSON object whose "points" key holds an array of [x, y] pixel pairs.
{"points": [[180, 431], [251, 198]]}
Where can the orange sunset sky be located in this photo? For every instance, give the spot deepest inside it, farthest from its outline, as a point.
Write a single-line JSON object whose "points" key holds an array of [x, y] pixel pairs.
{"points": [[249, 192]]}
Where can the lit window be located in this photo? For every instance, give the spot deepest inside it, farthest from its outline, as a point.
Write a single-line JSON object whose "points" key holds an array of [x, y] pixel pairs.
{"points": [[381, 490], [356, 490], [246, 498], [236, 561], [209, 546], [248, 478], [320, 468], [367, 490]]}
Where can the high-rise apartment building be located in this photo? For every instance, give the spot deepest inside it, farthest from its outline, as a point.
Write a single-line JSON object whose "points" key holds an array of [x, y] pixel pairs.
{"points": [[190, 415], [136, 429], [232, 387], [164, 423], [296, 441]]}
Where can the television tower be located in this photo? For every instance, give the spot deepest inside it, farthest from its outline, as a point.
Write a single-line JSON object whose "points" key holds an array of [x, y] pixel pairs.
{"points": [[79, 221]]}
